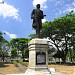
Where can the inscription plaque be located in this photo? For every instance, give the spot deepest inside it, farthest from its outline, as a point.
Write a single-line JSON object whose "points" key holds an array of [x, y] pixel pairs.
{"points": [[40, 58]]}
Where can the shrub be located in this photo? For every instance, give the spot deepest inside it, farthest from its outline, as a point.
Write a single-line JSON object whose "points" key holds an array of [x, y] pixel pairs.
{"points": [[15, 63], [23, 63]]}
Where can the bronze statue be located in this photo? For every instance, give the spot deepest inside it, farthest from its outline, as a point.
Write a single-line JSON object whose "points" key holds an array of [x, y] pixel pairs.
{"points": [[37, 16]]}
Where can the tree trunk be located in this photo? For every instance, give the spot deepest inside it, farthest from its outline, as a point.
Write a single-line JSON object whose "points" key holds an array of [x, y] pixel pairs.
{"points": [[65, 51], [3, 57], [64, 59]]}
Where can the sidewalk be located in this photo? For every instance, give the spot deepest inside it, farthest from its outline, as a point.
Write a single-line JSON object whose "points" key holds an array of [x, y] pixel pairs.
{"points": [[22, 68]]}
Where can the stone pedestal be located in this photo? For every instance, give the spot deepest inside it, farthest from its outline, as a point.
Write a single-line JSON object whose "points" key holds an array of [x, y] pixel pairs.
{"points": [[38, 64]]}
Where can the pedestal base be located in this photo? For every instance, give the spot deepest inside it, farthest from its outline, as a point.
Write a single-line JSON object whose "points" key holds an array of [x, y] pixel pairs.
{"points": [[37, 72], [38, 52]]}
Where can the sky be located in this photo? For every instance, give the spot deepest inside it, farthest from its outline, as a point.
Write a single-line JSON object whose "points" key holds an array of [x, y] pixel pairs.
{"points": [[15, 15]]}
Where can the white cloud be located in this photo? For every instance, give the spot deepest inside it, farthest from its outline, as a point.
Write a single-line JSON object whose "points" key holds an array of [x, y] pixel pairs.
{"points": [[57, 2], [1, 1], [7, 10], [44, 20], [73, 3], [41, 2], [10, 35], [69, 10], [66, 8], [70, 7]]}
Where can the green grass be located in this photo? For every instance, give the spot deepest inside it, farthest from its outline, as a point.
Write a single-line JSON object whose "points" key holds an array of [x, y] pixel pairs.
{"points": [[15, 63], [24, 63]]}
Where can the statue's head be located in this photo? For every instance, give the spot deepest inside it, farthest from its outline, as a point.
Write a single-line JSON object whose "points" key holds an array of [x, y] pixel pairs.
{"points": [[38, 6]]}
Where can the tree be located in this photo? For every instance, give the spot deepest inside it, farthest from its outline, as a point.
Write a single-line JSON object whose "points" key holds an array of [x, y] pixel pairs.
{"points": [[20, 44], [32, 36], [1, 38], [26, 53], [4, 49], [14, 53], [60, 32]]}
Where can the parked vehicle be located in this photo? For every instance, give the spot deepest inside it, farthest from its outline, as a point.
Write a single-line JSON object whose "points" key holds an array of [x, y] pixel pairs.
{"points": [[26, 59]]}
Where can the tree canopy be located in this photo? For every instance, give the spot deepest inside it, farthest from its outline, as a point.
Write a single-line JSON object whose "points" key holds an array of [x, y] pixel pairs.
{"points": [[20, 44], [60, 31]]}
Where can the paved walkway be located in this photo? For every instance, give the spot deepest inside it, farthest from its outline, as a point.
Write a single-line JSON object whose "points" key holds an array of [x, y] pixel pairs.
{"points": [[22, 68], [33, 74], [57, 73]]}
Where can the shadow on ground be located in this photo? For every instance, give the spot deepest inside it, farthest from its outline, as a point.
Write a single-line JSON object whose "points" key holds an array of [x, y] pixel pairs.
{"points": [[65, 64]]}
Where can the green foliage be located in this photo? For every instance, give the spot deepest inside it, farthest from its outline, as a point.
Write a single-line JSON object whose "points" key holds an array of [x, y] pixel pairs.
{"points": [[14, 53], [4, 48], [72, 55], [26, 53], [23, 63], [0, 53], [32, 36], [1, 37], [60, 32], [20, 44], [59, 54], [15, 63], [51, 50]]}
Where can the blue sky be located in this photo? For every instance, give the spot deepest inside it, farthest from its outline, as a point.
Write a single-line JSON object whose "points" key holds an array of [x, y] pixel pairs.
{"points": [[15, 18]]}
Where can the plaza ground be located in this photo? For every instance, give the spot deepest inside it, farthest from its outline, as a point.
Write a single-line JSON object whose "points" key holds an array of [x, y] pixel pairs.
{"points": [[8, 68], [68, 70]]}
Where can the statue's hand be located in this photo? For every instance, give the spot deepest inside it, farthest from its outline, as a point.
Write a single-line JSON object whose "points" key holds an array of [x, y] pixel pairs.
{"points": [[32, 17], [44, 15]]}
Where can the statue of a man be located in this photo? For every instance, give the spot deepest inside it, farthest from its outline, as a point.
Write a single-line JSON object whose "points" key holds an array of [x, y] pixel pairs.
{"points": [[37, 16]]}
